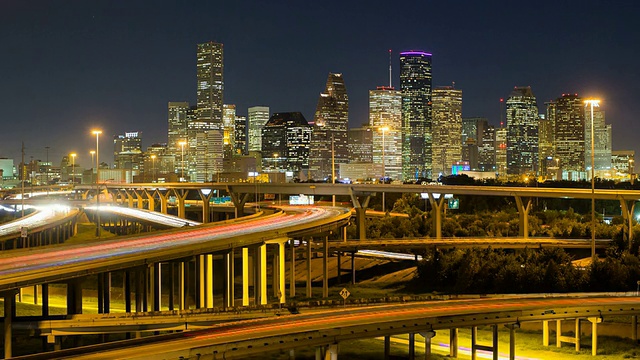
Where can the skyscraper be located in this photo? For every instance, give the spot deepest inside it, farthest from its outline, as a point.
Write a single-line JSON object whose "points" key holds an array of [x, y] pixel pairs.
{"points": [[361, 145], [329, 137], [487, 149], [547, 164], [569, 117], [522, 132], [178, 127], [229, 126], [207, 133], [501, 152], [447, 129], [241, 135], [415, 85], [127, 151], [602, 143], [385, 118], [286, 143], [258, 117]]}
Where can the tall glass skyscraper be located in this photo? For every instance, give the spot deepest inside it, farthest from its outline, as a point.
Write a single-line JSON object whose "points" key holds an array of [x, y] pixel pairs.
{"points": [[567, 113], [258, 117], [415, 85], [447, 129], [286, 143], [522, 132], [385, 118], [329, 134]]}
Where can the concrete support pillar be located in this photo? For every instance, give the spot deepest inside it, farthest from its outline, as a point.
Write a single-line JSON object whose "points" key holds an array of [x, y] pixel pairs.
{"points": [[182, 284], [474, 340], [545, 332], [387, 347], [292, 271], [628, 207], [9, 314], [318, 353], [239, 200], [139, 199], [206, 205], [325, 268], [172, 285], [262, 271], [155, 278], [512, 339], [339, 262], [578, 334], [74, 297], [282, 289], [523, 212], [202, 278], [308, 258], [126, 290], [106, 278], [332, 352], [495, 342], [45, 300], [558, 333], [229, 295], [353, 267], [453, 343], [245, 276], [164, 201], [437, 212], [428, 335], [181, 196], [412, 346], [151, 200], [361, 209], [634, 328], [594, 333], [209, 280]]}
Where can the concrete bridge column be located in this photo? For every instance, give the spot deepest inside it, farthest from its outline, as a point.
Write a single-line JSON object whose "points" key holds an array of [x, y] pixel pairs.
{"points": [[453, 343], [74, 296], [9, 314], [292, 271], [512, 339], [361, 208], [238, 201], [428, 335], [332, 352], [45, 300], [634, 328], [151, 200], [412, 346], [155, 279], [308, 258], [325, 268], [245, 276], [627, 207], [594, 333], [262, 262], [126, 290], [523, 212], [229, 295], [206, 206], [279, 286], [387, 347], [475, 346], [182, 283], [164, 201], [437, 210], [130, 197], [139, 199], [181, 196]]}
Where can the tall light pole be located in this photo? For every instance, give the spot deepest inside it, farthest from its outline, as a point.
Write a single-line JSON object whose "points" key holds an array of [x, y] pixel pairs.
{"points": [[182, 144], [93, 153], [592, 103], [73, 167], [97, 134], [384, 129], [153, 165]]}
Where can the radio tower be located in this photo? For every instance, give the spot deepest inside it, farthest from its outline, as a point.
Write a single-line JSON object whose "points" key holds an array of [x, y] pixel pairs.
{"points": [[390, 84]]}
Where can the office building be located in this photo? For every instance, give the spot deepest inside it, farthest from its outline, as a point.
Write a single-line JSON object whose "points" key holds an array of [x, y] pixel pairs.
{"points": [[567, 112], [447, 129], [329, 138], [501, 152], [415, 86], [602, 143], [229, 126], [127, 151], [522, 132], [361, 145], [258, 117], [487, 150], [287, 137], [240, 133], [385, 119]]}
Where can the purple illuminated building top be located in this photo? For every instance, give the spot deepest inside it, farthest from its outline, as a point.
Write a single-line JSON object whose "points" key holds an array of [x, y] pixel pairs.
{"points": [[415, 53]]}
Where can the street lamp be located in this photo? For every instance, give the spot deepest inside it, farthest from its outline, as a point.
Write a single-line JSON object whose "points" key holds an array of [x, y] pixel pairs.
{"points": [[592, 103], [153, 165], [182, 144], [92, 152], [73, 167], [97, 134], [384, 129]]}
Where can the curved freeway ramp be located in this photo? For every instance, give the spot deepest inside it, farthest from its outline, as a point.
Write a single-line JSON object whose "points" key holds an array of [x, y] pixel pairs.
{"points": [[241, 339], [148, 216], [19, 268], [44, 216]]}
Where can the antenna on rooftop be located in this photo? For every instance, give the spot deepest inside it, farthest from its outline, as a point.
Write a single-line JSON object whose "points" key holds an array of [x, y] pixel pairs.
{"points": [[390, 84]]}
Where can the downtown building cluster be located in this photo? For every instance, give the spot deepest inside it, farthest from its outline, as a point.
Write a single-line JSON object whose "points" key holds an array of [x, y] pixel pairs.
{"points": [[414, 133]]}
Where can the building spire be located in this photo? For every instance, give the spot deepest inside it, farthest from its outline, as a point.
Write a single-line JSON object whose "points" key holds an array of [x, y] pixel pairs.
{"points": [[390, 84]]}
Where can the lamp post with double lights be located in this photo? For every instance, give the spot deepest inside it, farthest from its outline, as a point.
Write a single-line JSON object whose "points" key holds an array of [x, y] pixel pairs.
{"points": [[182, 144], [593, 103], [97, 134]]}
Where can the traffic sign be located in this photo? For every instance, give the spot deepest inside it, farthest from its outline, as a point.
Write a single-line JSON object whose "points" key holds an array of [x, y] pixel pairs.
{"points": [[345, 293]]}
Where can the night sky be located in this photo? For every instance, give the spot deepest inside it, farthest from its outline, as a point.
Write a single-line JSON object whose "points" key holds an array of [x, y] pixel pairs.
{"points": [[69, 66]]}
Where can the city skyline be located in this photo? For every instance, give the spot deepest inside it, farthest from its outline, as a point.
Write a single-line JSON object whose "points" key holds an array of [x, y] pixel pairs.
{"points": [[90, 69]]}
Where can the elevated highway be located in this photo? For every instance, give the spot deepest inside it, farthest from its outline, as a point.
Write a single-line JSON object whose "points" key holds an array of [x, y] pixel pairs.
{"points": [[238, 340]]}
